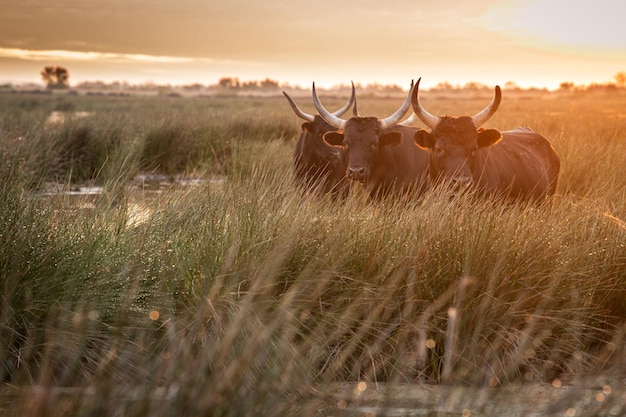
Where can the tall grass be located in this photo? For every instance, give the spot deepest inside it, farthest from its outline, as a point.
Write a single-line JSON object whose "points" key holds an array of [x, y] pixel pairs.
{"points": [[242, 297]]}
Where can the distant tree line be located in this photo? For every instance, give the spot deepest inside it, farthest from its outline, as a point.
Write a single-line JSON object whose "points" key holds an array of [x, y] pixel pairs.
{"points": [[232, 83], [620, 82], [57, 77]]}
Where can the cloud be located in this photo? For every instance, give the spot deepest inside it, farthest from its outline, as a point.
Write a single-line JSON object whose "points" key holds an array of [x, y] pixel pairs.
{"points": [[90, 65], [112, 57], [34, 55]]}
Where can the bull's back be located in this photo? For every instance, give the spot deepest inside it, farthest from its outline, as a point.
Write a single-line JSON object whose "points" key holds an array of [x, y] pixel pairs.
{"points": [[523, 164]]}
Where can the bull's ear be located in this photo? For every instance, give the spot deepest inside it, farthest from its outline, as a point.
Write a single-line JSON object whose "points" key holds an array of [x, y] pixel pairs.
{"points": [[423, 139], [333, 138], [391, 138], [307, 127], [488, 137]]}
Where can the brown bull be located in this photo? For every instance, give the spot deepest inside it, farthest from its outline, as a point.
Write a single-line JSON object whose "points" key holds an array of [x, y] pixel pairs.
{"points": [[317, 165], [518, 163], [380, 152]]}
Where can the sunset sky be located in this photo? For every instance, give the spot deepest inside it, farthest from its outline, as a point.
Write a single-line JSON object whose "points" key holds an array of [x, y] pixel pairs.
{"points": [[530, 42]]}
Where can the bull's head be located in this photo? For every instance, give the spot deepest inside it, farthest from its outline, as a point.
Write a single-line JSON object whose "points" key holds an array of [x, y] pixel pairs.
{"points": [[362, 137], [314, 127], [454, 141], [314, 159]]}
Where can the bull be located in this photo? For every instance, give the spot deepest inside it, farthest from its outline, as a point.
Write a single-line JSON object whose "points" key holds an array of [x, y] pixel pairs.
{"points": [[518, 164], [380, 152], [317, 165]]}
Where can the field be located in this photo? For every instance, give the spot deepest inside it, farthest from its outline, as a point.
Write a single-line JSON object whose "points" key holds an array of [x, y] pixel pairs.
{"points": [[196, 279]]}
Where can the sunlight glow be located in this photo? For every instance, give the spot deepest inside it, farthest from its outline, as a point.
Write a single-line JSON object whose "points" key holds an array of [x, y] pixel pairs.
{"points": [[564, 24], [531, 42]]}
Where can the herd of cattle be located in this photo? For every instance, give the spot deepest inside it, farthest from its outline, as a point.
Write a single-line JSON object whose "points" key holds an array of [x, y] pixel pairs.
{"points": [[390, 157]]}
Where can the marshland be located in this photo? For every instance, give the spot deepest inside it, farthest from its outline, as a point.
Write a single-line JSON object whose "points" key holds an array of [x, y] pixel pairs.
{"points": [[157, 259]]}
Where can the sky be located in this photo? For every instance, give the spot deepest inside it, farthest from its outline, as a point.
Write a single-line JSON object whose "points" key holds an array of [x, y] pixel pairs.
{"points": [[533, 43]]}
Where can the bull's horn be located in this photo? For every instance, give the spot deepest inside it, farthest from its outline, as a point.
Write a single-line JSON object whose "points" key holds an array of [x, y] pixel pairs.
{"points": [[309, 117], [410, 120], [395, 117], [349, 104], [298, 111], [481, 117], [330, 118], [355, 111], [427, 118]]}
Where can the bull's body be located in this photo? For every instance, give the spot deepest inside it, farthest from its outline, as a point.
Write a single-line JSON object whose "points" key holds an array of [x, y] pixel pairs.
{"points": [[518, 164], [523, 165], [393, 166], [318, 166]]}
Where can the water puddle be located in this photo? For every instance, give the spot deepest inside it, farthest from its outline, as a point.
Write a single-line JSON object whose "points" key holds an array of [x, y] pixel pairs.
{"points": [[164, 181], [58, 117], [58, 189], [141, 194]]}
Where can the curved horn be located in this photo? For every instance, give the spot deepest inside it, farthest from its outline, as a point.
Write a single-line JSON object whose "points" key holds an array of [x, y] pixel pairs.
{"points": [[410, 120], [395, 117], [330, 118], [427, 118], [346, 106], [355, 111], [298, 111], [481, 117], [309, 117]]}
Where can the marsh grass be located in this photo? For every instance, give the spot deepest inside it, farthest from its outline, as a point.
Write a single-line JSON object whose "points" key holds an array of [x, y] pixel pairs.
{"points": [[244, 297]]}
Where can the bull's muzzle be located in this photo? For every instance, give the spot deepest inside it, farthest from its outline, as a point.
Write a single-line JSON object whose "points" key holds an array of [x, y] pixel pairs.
{"points": [[462, 183], [356, 173]]}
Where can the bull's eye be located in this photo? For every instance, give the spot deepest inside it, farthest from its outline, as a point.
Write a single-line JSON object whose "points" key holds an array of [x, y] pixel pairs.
{"points": [[373, 147], [345, 146], [439, 152]]}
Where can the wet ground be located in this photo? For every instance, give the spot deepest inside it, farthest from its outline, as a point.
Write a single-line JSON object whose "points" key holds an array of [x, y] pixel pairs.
{"points": [[601, 398], [142, 190], [608, 399]]}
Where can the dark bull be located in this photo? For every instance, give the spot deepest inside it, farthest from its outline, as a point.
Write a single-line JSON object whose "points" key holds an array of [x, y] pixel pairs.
{"points": [[317, 165], [518, 163], [380, 152]]}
